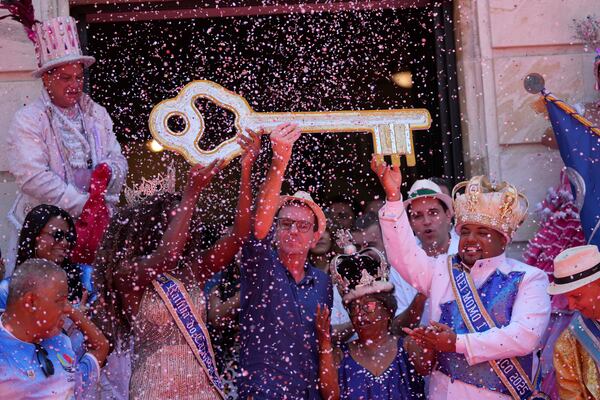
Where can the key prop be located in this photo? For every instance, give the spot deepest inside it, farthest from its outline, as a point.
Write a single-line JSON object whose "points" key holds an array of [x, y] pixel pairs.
{"points": [[178, 125]]}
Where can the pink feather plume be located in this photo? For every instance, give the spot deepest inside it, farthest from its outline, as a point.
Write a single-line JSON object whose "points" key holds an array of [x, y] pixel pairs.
{"points": [[21, 11]]}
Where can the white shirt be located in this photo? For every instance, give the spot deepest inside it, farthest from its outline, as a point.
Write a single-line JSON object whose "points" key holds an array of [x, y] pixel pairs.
{"points": [[429, 275]]}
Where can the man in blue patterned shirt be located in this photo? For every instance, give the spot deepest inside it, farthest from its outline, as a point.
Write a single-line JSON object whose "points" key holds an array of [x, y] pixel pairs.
{"points": [[37, 360]]}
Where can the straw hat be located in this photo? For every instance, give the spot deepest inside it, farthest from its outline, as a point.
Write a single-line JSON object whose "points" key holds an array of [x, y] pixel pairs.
{"points": [[574, 268], [306, 199]]}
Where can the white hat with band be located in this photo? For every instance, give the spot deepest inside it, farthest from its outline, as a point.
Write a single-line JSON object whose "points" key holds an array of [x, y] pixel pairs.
{"points": [[575, 268], [426, 188]]}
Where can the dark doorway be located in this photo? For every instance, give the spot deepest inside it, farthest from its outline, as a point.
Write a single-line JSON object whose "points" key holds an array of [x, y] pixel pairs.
{"points": [[317, 61]]}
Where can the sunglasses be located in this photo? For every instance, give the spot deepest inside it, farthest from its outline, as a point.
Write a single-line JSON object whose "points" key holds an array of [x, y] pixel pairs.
{"points": [[60, 235], [44, 361], [287, 223]]}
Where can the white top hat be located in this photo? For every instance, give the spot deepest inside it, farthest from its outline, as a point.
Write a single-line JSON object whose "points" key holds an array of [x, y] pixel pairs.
{"points": [[575, 268], [56, 44], [426, 188]]}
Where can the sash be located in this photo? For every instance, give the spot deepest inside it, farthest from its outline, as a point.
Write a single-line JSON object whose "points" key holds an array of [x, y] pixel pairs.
{"points": [[587, 332], [477, 319], [180, 306]]}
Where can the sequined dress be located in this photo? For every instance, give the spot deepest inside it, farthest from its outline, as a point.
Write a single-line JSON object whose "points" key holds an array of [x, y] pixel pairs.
{"points": [[163, 366], [399, 381]]}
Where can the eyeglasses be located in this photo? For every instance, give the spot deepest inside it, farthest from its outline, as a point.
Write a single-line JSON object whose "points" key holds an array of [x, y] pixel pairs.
{"points": [[287, 223], [59, 235], [368, 308], [44, 361]]}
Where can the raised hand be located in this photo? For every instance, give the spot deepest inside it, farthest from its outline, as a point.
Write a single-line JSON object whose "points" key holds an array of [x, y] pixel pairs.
{"points": [[323, 326], [389, 177], [283, 138], [251, 147], [200, 176]]}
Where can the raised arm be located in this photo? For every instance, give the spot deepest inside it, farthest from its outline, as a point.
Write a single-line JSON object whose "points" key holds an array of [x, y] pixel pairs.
{"points": [[141, 271], [95, 342], [402, 251], [328, 370], [222, 253], [283, 138]]}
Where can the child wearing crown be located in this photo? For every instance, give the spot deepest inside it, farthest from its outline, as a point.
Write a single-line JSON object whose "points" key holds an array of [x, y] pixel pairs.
{"points": [[488, 311], [57, 143]]}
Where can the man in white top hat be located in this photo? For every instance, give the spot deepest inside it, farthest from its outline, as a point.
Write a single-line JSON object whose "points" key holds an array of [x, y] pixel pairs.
{"points": [[492, 310], [577, 350], [56, 143]]}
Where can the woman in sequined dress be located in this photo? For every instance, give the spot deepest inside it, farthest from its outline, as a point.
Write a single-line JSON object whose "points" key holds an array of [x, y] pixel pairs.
{"points": [[149, 238]]}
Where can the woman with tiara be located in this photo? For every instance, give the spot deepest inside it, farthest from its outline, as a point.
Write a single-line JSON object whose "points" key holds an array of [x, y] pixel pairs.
{"points": [[377, 365], [151, 281]]}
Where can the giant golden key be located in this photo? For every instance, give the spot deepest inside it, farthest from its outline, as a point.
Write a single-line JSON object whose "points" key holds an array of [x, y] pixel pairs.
{"points": [[391, 129]]}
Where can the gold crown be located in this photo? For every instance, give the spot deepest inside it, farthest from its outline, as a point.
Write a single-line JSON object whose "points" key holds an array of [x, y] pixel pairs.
{"points": [[500, 207], [161, 183]]}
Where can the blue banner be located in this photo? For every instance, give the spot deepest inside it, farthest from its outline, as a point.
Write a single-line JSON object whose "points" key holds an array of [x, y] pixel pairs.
{"points": [[477, 319], [579, 145], [177, 300]]}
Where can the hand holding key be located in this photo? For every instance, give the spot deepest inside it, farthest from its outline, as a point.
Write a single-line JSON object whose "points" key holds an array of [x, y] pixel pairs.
{"points": [[283, 138], [389, 176], [391, 129]]}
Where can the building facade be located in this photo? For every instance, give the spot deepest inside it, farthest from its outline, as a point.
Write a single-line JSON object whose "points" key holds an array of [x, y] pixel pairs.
{"points": [[497, 42]]}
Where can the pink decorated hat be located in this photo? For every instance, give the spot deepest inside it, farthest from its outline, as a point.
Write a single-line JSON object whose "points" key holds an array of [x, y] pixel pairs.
{"points": [[575, 268], [56, 44]]}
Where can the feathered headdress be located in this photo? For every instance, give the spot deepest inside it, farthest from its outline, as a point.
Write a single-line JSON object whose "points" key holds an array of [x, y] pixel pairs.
{"points": [[22, 12]]}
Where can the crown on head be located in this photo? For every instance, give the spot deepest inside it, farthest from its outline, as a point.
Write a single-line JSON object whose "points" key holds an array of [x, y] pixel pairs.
{"points": [[500, 207], [161, 183], [358, 274]]}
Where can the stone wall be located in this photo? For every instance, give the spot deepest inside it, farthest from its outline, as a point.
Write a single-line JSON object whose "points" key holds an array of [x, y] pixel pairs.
{"points": [[499, 42]]}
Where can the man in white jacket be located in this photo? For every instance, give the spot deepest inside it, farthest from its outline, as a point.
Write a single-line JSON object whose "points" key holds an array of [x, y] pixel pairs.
{"points": [[55, 143], [492, 310]]}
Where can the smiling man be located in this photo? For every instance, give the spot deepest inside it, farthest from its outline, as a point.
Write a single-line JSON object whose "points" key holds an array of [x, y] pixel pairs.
{"points": [[55, 143], [492, 310], [280, 289]]}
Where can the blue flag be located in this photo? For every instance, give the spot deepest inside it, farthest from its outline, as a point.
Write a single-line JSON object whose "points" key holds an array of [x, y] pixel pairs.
{"points": [[579, 145]]}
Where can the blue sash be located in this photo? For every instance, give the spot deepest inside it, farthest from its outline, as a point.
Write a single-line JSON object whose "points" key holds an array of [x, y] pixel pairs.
{"points": [[587, 333], [180, 306], [477, 319]]}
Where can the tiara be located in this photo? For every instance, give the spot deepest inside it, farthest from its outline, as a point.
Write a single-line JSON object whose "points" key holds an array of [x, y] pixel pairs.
{"points": [[161, 183]]}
